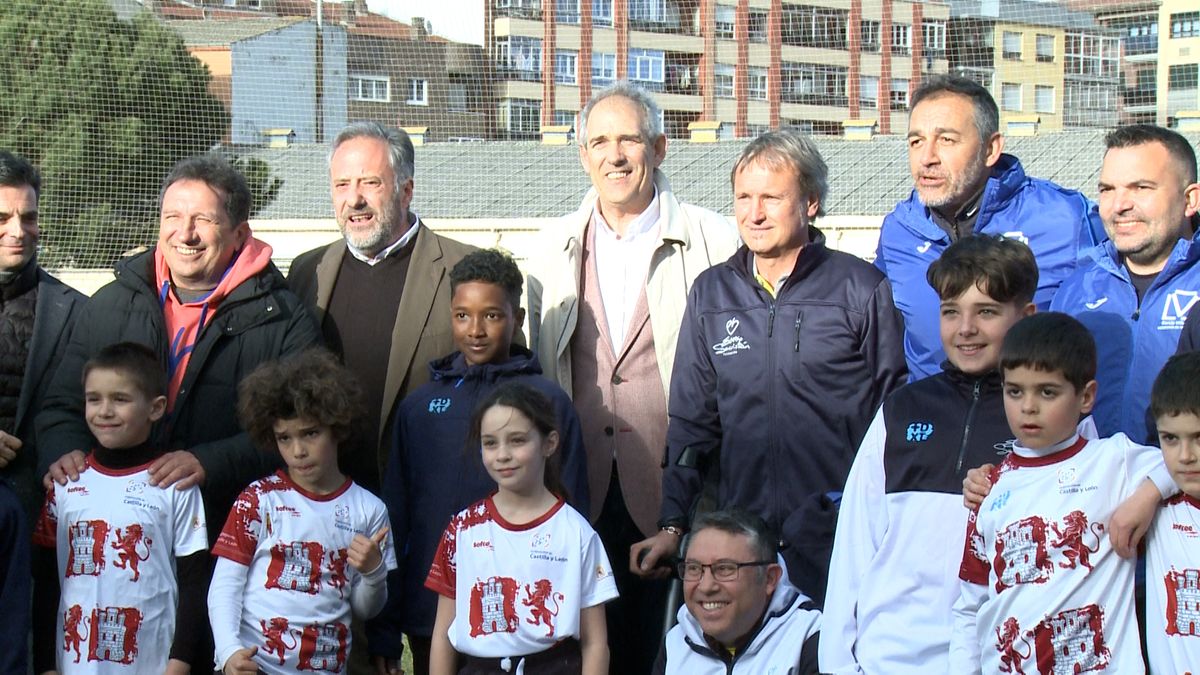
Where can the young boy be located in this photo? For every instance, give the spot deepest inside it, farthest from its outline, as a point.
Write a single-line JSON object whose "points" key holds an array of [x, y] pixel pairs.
{"points": [[1173, 543], [891, 587], [127, 552], [306, 546], [430, 474], [1041, 582]]}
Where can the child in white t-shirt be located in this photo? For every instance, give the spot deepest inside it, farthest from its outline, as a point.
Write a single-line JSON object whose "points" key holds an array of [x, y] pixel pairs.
{"points": [[1173, 543], [305, 546], [522, 577], [127, 593]]}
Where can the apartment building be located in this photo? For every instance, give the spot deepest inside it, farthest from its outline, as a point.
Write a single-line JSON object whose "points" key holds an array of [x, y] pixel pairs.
{"points": [[1178, 59], [750, 65]]}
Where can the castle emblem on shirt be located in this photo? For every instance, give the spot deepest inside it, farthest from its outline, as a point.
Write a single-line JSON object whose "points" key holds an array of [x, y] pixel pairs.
{"points": [[1071, 641], [296, 566], [537, 600], [918, 432], [323, 647], [1021, 554], [1183, 602], [494, 606], [732, 343], [114, 634], [85, 555]]}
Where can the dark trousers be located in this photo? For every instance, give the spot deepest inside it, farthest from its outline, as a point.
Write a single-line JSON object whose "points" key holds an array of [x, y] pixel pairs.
{"points": [[419, 647], [635, 620], [563, 658]]}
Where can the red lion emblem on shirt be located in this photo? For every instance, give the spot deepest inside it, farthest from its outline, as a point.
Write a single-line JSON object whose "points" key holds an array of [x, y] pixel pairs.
{"points": [[337, 571], [1006, 643], [126, 547], [536, 600], [72, 638], [273, 635], [1070, 539]]}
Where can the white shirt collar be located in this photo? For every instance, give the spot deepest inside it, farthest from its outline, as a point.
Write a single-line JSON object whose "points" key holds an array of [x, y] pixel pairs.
{"points": [[645, 222], [413, 226]]}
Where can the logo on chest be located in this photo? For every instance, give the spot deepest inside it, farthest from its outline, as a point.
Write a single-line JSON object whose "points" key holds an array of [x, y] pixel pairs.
{"points": [[732, 343]]}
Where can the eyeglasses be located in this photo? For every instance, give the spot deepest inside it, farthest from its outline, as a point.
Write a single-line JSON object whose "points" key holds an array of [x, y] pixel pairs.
{"points": [[722, 570]]}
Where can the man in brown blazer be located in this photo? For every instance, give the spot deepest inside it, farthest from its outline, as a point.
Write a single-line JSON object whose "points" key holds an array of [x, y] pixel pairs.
{"points": [[382, 294]]}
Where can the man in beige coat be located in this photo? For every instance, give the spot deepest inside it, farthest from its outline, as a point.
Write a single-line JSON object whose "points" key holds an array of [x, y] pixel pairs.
{"points": [[606, 299]]}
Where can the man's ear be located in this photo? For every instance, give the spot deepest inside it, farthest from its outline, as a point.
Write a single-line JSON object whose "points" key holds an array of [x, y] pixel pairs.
{"points": [[994, 148], [774, 574]]}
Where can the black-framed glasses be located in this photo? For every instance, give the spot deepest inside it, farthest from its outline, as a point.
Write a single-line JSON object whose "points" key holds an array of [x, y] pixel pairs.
{"points": [[722, 570]]}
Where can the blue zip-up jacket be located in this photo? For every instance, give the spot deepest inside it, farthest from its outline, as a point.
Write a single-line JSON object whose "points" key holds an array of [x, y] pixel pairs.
{"points": [[1056, 223], [431, 475], [1132, 342], [784, 386]]}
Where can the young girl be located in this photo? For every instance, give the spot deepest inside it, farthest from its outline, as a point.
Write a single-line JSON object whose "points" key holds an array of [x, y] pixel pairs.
{"points": [[303, 547], [521, 576]]}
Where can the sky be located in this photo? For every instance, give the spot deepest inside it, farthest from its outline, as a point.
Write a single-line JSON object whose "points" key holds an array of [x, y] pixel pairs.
{"points": [[459, 20]]}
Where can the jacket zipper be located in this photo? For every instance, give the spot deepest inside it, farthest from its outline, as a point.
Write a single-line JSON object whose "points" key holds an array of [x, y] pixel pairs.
{"points": [[796, 347], [962, 448]]}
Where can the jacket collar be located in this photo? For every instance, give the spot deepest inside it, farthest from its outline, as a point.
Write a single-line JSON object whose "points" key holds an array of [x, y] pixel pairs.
{"points": [[520, 361], [137, 273], [786, 600], [1184, 255], [1006, 179], [989, 381], [672, 226], [811, 256]]}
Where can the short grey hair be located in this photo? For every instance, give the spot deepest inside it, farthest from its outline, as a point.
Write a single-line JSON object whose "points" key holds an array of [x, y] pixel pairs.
{"points": [[794, 150], [400, 147], [987, 115], [651, 126], [764, 541]]}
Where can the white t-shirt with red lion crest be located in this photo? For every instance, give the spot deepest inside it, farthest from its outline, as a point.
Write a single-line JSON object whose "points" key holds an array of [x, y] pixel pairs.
{"points": [[295, 605], [116, 538], [519, 589]]}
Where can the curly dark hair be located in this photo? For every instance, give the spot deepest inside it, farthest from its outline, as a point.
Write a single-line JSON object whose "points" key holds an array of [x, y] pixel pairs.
{"points": [[490, 266], [312, 385]]}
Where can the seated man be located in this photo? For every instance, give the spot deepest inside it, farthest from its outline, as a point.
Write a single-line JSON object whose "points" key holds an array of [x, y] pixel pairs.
{"points": [[740, 614]]}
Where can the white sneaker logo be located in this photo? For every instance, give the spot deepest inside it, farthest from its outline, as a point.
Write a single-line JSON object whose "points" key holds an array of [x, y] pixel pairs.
{"points": [[924, 247], [1096, 304], [730, 344]]}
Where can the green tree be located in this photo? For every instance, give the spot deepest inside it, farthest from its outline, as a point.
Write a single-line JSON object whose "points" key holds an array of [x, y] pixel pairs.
{"points": [[104, 107]]}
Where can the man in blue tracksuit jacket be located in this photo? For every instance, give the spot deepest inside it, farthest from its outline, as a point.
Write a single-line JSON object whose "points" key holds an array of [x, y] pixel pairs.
{"points": [[965, 185], [784, 354], [1134, 292]]}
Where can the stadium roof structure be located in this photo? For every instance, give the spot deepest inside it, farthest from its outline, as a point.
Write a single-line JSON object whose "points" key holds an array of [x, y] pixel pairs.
{"points": [[530, 180]]}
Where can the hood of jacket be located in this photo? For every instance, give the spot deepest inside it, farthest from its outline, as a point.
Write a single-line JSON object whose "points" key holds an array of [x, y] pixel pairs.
{"points": [[786, 600]]}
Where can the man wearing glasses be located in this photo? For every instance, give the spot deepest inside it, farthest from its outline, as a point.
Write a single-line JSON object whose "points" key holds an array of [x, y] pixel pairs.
{"points": [[740, 614]]}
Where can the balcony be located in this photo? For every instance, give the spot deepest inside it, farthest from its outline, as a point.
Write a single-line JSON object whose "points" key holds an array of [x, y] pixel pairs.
{"points": [[682, 79], [1140, 44], [532, 13], [812, 98], [505, 72]]}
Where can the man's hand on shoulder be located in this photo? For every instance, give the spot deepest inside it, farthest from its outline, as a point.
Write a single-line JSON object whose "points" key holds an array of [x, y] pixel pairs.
{"points": [[645, 556], [67, 468], [9, 445], [179, 468]]}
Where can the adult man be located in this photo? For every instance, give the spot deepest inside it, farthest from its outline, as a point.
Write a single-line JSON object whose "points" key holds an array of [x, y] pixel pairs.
{"points": [[1135, 290], [209, 301], [36, 313], [381, 294], [785, 352], [606, 297], [740, 614], [964, 184]]}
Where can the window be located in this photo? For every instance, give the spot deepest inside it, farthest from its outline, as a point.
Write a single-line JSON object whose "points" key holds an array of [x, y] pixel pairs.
{"points": [[868, 91], [812, 83], [1010, 97], [604, 68], [725, 21], [1186, 76], [566, 64], [564, 118], [370, 88], [1012, 45], [601, 12], [1092, 55], [1045, 48], [522, 54], [901, 38], [757, 25], [521, 117], [756, 84], [418, 92], [1043, 98], [723, 80], [824, 27], [646, 65], [1141, 37], [870, 36], [456, 96], [1185, 25], [566, 11], [934, 34], [898, 96], [649, 11]]}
